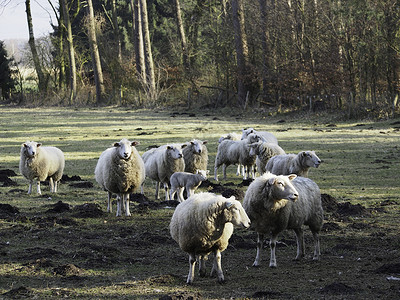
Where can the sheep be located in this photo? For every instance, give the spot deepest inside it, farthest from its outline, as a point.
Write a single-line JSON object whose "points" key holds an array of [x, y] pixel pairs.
{"points": [[203, 224], [184, 180], [298, 164], [39, 163], [161, 163], [232, 152], [267, 137], [195, 155], [234, 137], [275, 203], [264, 151], [120, 170]]}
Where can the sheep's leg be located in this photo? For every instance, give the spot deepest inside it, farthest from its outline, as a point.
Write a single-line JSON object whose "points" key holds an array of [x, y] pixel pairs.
{"points": [[51, 185], [172, 192], [244, 171], [142, 188], [38, 187], [157, 190], [260, 241], [238, 170], [202, 266], [119, 200], [272, 245], [253, 172], [180, 194], [215, 173], [166, 191], [56, 185], [109, 204], [217, 267], [224, 170], [126, 201], [317, 251], [30, 187], [192, 264], [300, 243]]}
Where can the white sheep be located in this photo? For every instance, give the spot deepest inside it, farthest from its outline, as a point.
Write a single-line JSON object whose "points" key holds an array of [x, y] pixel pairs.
{"points": [[264, 151], [235, 152], [37, 163], [184, 180], [275, 203], [234, 137], [267, 137], [298, 164], [195, 155], [120, 170], [203, 224], [162, 162]]}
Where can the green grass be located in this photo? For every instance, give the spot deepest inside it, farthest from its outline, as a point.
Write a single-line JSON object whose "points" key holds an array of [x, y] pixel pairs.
{"points": [[136, 258]]}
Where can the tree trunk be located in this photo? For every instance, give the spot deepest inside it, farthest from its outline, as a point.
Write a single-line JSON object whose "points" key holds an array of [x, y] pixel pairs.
{"points": [[148, 56], [35, 56], [119, 49], [182, 36], [98, 73], [241, 49], [265, 49], [71, 52], [138, 40]]}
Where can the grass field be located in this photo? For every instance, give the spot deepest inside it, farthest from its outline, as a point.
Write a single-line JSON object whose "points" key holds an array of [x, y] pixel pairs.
{"points": [[85, 253]]}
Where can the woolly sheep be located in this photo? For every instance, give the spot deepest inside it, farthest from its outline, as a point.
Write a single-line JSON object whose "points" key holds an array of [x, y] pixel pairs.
{"points": [[162, 162], [264, 151], [275, 203], [267, 137], [234, 137], [120, 170], [233, 152], [37, 163], [195, 155], [298, 164], [203, 224], [184, 180]]}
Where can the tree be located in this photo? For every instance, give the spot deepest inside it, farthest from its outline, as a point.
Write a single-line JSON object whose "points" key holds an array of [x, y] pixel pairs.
{"points": [[98, 73], [39, 71], [138, 40], [181, 31], [7, 83]]}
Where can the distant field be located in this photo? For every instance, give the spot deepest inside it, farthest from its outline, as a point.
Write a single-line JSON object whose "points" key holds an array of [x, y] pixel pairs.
{"points": [[83, 254]]}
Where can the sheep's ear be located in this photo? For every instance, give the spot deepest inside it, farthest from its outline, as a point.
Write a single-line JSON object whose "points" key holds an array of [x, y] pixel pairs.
{"points": [[304, 153], [183, 146], [292, 176], [134, 143], [205, 142], [229, 203], [271, 181], [191, 143], [25, 145], [169, 147], [38, 144], [116, 144]]}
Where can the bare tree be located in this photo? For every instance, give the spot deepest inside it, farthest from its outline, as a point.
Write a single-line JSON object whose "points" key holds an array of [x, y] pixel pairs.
{"points": [[138, 40], [181, 31]]}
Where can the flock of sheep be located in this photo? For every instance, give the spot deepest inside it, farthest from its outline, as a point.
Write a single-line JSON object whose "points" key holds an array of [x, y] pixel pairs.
{"points": [[282, 197]]}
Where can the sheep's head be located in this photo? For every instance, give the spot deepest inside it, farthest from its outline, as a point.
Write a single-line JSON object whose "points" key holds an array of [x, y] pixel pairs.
{"points": [[197, 146], [254, 149], [310, 159], [124, 148], [235, 214], [246, 132], [280, 187], [203, 173], [175, 152], [30, 148]]}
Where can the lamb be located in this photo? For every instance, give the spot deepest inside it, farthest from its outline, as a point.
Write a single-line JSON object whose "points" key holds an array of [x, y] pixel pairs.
{"points": [[275, 203], [120, 170], [195, 155], [267, 137], [160, 163], [232, 152], [293, 164], [264, 151], [184, 180], [39, 163], [203, 224]]}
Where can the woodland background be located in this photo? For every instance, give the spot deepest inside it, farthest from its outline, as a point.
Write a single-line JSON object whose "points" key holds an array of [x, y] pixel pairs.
{"points": [[265, 54]]}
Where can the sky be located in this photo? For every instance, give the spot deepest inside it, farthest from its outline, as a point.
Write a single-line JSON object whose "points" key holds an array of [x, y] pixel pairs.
{"points": [[13, 23]]}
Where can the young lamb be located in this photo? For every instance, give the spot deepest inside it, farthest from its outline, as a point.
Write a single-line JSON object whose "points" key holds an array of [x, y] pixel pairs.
{"points": [[203, 224], [275, 203], [161, 163], [184, 180], [298, 164], [195, 155], [267, 137], [120, 170], [37, 163], [233, 152], [264, 152]]}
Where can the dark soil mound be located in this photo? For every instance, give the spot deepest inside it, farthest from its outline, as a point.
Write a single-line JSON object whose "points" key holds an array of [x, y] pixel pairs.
{"points": [[82, 184], [59, 207], [65, 178], [329, 203], [7, 209], [389, 269], [19, 292], [139, 198], [245, 182], [67, 270], [7, 181], [8, 172], [330, 226], [87, 210], [239, 194], [181, 296], [348, 209], [338, 288]]}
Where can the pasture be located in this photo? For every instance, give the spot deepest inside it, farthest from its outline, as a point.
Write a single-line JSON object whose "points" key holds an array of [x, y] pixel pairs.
{"points": [[66, 245]]}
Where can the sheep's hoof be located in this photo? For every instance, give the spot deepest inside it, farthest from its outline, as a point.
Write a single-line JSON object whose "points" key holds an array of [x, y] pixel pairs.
{"points": [[256, 265], [221, 280], [272, 266]]}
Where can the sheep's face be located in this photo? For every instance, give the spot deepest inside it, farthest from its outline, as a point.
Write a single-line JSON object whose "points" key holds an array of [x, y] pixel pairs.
{"points": [[203, 174], [30, 148], [253, 138], [246, 132], [175, 152], [311, 159], [124, 148], [235, 214], [253, 149], [280, 187]]}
